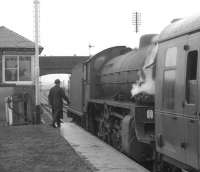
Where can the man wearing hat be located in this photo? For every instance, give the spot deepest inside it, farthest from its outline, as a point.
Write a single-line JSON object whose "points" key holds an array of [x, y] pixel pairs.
{"points": [[55, 97]]}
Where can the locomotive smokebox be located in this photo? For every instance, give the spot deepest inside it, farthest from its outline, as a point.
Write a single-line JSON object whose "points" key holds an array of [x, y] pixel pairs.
{"points": [[144, 88]]}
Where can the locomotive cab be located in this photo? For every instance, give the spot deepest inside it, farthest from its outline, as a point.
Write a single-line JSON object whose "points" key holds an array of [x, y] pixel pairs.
{"points": [[177, 94]]}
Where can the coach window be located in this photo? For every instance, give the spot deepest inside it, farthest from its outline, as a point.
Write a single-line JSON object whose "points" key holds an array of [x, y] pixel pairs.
{"points": [[171, 55], [17, 69], [85, 72], [191, 77], [169, 78]]}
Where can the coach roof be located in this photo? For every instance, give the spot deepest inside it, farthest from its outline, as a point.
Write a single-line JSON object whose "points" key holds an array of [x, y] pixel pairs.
{"points": [[180, 27]]}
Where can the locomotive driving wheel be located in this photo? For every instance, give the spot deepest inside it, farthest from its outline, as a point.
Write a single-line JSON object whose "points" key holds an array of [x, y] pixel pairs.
{"points": [[103, 131], [104, 128], [116, 140]]}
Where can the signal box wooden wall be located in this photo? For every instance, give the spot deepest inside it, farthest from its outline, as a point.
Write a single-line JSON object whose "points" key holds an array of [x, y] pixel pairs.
{"points": [[17, 76]]}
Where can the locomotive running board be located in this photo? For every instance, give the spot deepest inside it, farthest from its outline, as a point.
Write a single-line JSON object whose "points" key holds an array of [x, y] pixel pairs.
{"points": [[75, 111], [126, 105]]}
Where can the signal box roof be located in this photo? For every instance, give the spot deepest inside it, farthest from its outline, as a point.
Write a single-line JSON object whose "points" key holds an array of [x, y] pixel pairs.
{"points": [[180, 27], [10, 39]]}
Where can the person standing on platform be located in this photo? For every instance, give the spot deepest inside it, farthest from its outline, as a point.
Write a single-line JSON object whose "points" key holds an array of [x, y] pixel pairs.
{"points": [[55, 98]]}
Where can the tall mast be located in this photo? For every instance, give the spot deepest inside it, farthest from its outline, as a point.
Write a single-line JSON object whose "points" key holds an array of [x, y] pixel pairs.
{"points": [[37, 69]]}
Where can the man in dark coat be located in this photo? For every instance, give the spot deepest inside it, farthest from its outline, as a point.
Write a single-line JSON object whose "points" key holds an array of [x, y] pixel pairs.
{"points": [[55, 97]]}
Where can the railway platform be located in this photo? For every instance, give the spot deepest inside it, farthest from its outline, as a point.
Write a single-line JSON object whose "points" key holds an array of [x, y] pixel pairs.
{"points": [[37, 148], [102, 157], [42, 148]]}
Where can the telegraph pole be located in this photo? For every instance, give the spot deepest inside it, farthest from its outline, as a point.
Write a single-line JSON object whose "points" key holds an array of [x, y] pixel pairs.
{"points": [[37, 69], [136, 21]]}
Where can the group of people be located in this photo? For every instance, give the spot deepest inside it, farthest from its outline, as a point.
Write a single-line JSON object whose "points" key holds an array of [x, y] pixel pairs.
{"points": [[55, 98]]}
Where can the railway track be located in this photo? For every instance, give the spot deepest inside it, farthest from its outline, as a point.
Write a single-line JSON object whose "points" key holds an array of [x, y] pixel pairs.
{"points": [[44, 103]]}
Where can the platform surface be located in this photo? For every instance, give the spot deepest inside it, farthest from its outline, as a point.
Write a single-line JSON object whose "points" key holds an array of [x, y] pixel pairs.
{"points": [[37, 148], [103, 157]]}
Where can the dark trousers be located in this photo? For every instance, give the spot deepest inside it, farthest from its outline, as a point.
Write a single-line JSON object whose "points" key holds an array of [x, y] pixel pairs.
{"points": [[57, 116]]}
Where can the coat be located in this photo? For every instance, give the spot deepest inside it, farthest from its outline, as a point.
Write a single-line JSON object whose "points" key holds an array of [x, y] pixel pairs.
{"points": [[56, 96]]}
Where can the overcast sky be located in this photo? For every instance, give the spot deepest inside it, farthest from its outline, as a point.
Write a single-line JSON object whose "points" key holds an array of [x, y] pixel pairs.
{"points": [[68, 26]]}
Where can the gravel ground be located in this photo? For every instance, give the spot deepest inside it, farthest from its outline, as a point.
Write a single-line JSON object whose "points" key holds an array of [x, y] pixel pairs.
{"points": [[37, 148]]}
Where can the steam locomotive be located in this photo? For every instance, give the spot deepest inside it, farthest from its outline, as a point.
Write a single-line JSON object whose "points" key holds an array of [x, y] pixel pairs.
{"points": [[145, 101]]}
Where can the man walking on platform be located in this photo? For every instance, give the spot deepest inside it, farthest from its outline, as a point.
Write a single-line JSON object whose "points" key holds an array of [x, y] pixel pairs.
{"points": [[55, 98]]}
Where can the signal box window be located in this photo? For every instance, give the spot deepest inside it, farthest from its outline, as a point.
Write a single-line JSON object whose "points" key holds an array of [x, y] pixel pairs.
{"points": [[191, 77], [17, 69], [24, 68], [169, 79], [11, 68]]}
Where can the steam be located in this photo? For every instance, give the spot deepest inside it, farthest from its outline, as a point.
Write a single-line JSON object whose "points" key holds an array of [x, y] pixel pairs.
{"points": [[146, 82]]}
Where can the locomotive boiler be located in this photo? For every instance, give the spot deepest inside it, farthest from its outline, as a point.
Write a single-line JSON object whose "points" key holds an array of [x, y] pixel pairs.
{"points": [[118, 75], [145, 101]]}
